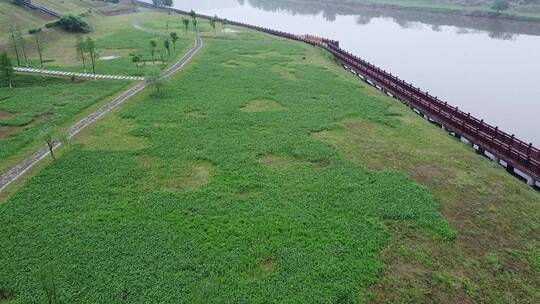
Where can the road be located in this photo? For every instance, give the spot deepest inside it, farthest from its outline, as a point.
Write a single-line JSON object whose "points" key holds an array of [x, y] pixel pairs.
{"points": [[14, 173]]}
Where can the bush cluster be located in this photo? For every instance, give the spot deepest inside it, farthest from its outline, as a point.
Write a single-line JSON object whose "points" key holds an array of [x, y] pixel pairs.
{"points": [[34, 31], [70, 23]]}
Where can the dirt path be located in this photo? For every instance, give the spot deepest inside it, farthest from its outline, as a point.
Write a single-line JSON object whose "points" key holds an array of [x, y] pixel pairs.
{"points": [[17, 171]]}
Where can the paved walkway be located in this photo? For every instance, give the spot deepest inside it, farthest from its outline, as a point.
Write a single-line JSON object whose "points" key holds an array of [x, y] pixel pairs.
{"points": [[17, 171], [80, 75]]}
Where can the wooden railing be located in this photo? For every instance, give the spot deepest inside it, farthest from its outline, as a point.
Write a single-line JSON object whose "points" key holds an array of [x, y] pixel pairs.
{"points": [[515, 152]]}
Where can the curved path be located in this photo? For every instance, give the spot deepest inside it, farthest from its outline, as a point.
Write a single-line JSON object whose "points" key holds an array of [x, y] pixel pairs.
{"points": [[17, 171]]}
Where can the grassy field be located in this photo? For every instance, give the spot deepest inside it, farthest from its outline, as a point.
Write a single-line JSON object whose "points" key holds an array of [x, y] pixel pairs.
{"points": [[265, 173], [34, 100], [37, 101], [116, 39]]}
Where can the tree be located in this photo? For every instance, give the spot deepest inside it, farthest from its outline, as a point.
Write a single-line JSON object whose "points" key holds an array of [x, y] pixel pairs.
{"points": [[80, 45], [193, 14], [186, 23], [213, 23], [38, 46], [167, 3], [174, 38], [15, 47], [50, 135], [75, 24], [223, 23], [6, 67], [195, 23], [153, 45], [500, 5], [20, 39], [136, 59], [167, 46], [156, 82], [90, 47]]}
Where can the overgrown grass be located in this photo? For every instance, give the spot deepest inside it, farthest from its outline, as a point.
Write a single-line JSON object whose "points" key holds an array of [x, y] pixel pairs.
{"points": [[494, 259], [194, 215], [36, 101], [263, 172]]}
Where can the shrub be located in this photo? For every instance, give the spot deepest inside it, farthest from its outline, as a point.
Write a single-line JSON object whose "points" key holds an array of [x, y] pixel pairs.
{"points": [[74, 24], [51, 24], [34, 31]]}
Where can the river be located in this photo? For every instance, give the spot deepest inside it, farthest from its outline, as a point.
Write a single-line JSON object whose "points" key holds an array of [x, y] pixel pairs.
{"points": [[487, 67]]}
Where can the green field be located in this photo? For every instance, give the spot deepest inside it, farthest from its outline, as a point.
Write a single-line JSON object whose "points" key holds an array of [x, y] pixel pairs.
{"points": [[266, 173], [37, 101], [26, 108], [117, 40]]}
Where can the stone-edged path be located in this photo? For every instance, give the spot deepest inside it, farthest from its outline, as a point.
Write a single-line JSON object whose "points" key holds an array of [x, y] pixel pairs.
{"points": [[75, 74], [17, 171]]}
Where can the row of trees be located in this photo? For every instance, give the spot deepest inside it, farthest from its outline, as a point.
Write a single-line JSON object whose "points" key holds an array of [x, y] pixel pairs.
{"points": [[87, 48]]}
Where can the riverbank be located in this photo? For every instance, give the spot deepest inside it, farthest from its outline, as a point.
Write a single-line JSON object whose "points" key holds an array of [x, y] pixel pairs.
{"points": [[265, 170], [481, 10]]}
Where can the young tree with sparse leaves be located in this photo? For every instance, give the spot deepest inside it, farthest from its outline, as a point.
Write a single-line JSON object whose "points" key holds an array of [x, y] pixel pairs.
{"points": [[6, 67], [80, 45], [500, 5], [156, 82], [50, 135], [136, 59], [153, 45], [15, 46], [92, 52], [39, 49], [174, 38], [167, 46], [213, 23], [186, 24], [20, 40]]}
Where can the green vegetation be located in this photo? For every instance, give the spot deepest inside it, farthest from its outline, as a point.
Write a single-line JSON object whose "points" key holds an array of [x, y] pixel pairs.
{"points": [[500, 5], [6, 69], [528, 9], [73, 24], [202, 200], [26, 109], [116, 39], [262, 171]]}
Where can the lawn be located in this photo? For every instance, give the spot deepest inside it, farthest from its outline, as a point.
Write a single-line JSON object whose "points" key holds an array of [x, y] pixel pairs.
{"points": [[266, 173], [116, 40], [25, 109], [38, 101]]}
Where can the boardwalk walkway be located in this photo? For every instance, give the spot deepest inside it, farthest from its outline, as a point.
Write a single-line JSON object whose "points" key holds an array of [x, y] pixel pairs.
{"points": [[75, 74], [17, 171]]}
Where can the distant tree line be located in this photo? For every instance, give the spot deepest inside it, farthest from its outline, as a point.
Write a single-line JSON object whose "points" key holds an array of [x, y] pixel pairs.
{"points": [[167, 3]]}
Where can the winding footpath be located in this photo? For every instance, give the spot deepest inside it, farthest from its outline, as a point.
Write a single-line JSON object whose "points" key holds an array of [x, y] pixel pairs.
{"points": [[17, 171]]}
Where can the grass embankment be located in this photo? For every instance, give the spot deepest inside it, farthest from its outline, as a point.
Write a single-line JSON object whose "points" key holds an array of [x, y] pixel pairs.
{"points": [[26, 108], [256, 177], [484, 8], [115, 37]]}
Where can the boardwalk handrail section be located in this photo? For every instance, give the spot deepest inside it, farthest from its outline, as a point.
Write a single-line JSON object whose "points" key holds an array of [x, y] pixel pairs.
{"points": [[515, 152], [39, 8]]}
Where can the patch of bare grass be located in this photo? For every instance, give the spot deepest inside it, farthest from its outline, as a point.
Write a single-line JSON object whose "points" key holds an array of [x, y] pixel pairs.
{"points": [[263, 105]]}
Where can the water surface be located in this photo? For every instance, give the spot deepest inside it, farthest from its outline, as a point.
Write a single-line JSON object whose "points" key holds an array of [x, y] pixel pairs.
{"points": [[487, 67]]}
